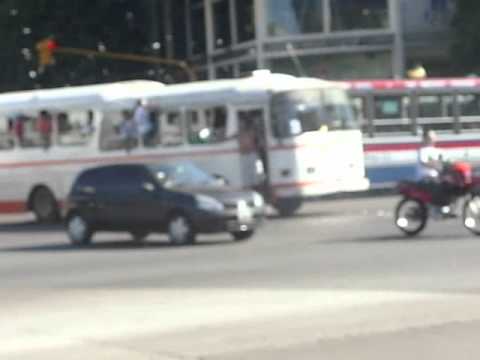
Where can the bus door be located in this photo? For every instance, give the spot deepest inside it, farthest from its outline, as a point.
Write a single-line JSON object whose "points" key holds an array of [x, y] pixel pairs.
{"points": [[253, 147]]}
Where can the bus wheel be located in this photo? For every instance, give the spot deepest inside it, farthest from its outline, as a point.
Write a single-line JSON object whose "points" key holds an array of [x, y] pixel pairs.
{"points": [[287, 207], [44, 205]]}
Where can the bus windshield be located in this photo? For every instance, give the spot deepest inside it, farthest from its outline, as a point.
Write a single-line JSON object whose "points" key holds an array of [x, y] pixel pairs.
{"points": [[300, 111]]}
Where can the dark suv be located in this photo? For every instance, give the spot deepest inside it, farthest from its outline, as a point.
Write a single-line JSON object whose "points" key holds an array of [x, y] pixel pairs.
{"points": [[180, 200]]}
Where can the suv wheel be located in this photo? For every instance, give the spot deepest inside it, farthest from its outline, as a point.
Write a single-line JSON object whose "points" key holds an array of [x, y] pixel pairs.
{"points": [[79, 230], [180, 230]]}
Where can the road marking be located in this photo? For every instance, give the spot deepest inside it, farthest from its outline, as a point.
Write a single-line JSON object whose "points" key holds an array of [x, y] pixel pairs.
{"points": [[69, 318]]}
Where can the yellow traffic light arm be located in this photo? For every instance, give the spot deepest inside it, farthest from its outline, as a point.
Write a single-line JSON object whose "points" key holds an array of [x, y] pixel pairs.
{"points": [[129, 57]]}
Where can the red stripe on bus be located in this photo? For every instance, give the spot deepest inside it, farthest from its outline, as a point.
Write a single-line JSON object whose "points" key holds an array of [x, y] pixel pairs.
{"points": [[296, 184], [107, 160], [433, 83], [390, 147], [12, 207], [415, 146]]}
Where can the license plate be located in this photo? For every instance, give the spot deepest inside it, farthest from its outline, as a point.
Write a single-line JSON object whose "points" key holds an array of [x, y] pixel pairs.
{"points": [[244, 212]]}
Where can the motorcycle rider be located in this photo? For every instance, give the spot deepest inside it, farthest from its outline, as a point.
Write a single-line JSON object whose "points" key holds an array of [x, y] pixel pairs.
{"points": [[429, 158], [428, 171]]}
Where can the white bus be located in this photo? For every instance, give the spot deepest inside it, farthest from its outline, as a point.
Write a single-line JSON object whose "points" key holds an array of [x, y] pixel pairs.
{"points": [[290, 138], [393, 113]]}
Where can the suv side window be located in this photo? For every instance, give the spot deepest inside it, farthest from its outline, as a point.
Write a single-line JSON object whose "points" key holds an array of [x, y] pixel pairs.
{"points": [[98, 179], [130, 178]]}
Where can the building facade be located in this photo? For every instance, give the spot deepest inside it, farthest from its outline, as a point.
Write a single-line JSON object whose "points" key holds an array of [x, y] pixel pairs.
{"points": [[333, 39]]}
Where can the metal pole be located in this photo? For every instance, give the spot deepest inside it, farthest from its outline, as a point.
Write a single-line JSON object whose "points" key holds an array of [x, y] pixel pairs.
{"points": [[130, 57], [260, 30], [210, 31], [327, 16], [154, 39], [398, 51], [167, 20]]}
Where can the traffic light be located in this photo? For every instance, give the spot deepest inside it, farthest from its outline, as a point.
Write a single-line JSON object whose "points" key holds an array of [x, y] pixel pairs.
{"points": [[45, 49]]}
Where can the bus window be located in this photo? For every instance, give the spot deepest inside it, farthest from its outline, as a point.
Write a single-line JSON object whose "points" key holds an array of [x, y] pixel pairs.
{"points": [[118, 131], [194, 126], [337, 111], [6, 130], [360, 109], [172, 129], [152, 138], [392, 114], [388, 107], [217, 121], [31, 133], [435, 111], [435, 106], [207, 126], [75, 128], [469, 108], [429, 106]]}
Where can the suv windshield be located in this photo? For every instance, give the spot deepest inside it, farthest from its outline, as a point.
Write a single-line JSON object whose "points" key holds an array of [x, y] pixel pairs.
{"points": [[183, 175], [297, 112]]}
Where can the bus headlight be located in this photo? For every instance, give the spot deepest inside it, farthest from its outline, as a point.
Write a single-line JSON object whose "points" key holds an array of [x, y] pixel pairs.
{"points": [[208, 203], [258, 200]]}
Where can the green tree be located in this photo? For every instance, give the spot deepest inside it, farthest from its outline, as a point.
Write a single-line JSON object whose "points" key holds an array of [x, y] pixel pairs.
{"points": [[465, 51]]}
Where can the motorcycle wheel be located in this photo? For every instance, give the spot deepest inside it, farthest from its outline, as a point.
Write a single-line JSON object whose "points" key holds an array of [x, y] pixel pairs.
{"points": [[471, 215], [411, 216]]}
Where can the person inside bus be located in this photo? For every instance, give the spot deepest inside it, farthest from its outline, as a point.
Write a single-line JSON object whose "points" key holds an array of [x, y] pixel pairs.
{"points": [[18, 128], [219, 132], [45, 128], [246, 134], [141, 117], [88, 128], [251, 146], [128, 130]]}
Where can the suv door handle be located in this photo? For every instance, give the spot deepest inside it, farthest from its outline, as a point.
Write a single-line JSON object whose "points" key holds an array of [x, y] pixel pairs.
{"points": [[88, 190], [147, 186]]}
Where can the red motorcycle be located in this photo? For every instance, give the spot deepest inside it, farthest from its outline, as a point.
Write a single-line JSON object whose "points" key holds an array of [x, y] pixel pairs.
{"points": [[440, 199]]}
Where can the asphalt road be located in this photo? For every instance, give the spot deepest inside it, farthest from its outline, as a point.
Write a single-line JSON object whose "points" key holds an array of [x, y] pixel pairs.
{"points": [[337, 281]]}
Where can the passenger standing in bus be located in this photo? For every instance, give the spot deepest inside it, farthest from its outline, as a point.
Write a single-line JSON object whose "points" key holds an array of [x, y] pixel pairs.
{"points": [[63, 124], [45, 128], [128, 130], [142, 121], [88, 128], [250, 146], [19, 129]]}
